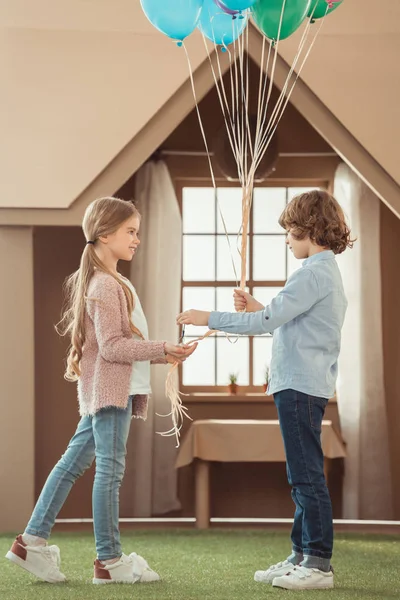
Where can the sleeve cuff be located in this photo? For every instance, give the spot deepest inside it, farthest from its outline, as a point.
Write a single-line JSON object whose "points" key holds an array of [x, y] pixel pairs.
{"points": [[213, 320]]}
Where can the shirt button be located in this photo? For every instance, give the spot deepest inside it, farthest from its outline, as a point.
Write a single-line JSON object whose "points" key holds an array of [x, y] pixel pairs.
{"points": [[267, 317]]}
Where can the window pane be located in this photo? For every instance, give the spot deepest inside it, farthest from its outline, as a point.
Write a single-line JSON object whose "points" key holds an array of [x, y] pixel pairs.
{"points": [[265, 294], [225, 299], [230, 202], [269, 258], [293, 263], [198, 210], [225, 271], [199, 369], [201, 298], [232, 358], [262, 350], [295, 191], [198, 257], [268, 205]]}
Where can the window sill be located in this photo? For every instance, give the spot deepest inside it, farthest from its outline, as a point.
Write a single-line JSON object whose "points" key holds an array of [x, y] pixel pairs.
{"points": [[224, 397], [255, 397]]}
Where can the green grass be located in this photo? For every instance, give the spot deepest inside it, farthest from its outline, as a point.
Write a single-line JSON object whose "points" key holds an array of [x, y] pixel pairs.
{"points": [[210, 565]]}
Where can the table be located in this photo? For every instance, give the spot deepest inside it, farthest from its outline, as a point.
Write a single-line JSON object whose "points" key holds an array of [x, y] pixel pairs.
{"points": [[240, 441]]}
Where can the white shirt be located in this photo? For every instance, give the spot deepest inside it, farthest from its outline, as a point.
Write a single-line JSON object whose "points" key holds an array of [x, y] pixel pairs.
{"points": [[140, 378]]}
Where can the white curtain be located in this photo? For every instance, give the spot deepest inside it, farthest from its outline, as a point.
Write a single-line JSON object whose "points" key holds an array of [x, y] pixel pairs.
{"points": [[150, 486], [361, 395]]}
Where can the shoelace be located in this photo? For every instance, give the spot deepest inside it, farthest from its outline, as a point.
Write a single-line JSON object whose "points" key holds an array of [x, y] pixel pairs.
{"points": [[126, 559], [53, 553], [139, 560]]}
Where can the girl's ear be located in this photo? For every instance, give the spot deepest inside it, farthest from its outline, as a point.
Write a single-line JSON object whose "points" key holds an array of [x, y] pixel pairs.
{"points": [[104, 239]]}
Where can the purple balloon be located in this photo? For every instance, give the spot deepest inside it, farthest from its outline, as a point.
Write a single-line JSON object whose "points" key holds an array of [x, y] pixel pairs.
{"points": [[226, 10]]}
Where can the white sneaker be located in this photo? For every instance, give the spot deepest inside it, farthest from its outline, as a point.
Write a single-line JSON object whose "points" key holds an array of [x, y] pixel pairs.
{"points": [[42, 561], [128, 569], [277, 570], [302, 578]]}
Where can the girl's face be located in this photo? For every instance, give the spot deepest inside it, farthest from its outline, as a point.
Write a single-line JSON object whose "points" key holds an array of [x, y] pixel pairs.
{"points": [[299, 248], [123, 243]]}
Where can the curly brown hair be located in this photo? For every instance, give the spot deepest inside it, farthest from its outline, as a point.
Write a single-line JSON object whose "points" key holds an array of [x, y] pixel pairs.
{"points": [[317, 215]]}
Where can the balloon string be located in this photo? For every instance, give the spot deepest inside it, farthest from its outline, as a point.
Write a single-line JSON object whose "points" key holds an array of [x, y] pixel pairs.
{"points": [[237, 125]]}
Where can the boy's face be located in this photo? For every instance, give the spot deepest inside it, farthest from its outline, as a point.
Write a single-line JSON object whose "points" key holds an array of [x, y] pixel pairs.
{"points": [[300, 248]]}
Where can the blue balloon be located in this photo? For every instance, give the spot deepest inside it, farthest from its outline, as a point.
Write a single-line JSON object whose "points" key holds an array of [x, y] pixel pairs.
{"points": [[175, 18], [238, 4], [218, 26]]}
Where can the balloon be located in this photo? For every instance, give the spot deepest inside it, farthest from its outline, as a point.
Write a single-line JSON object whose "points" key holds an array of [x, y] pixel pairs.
{"points": [[176, 18], [267, 16], [238, 4], [225, 9], [318, 8], [218, 26], [227, 162]]}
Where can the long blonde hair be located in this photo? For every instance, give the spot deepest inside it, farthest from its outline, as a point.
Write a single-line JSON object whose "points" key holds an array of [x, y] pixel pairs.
{"points": [[102, 217]]}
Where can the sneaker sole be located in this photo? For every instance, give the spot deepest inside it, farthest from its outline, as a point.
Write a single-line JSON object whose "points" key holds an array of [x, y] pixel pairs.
{"points": [[323, 586], [24, 564], [107, 581], [266, 581]]}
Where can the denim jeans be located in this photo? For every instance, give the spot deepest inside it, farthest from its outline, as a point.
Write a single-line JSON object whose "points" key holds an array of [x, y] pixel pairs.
{"points": [[300, 418], [102, 437]]}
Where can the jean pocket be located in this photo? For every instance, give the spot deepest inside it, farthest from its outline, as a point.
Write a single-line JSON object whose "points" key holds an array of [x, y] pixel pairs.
{"points": [[316, 409]]}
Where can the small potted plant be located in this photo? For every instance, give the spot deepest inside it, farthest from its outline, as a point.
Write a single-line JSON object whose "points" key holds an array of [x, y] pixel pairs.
{"points": [[233, 383], [266, 378]]}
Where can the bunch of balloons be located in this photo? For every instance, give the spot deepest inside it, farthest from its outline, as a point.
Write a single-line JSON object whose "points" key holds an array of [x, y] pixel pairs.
{"points": [[222, 21]]}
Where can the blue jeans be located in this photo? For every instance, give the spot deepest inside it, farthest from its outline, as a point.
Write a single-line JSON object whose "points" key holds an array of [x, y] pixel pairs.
{"points": [[104, 437], [300, 418]]}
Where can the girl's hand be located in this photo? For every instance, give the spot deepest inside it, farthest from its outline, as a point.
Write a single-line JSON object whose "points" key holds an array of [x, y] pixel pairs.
{"points": [[244, 302], [171, 360], [193, 317], [180, 353]]}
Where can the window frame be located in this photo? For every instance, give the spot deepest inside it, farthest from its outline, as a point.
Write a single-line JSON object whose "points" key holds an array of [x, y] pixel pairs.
{"points": [[251, 389]]}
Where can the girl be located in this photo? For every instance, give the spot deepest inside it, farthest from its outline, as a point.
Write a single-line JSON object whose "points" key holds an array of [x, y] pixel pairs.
{"points": [[306, 318], [110, 357]]}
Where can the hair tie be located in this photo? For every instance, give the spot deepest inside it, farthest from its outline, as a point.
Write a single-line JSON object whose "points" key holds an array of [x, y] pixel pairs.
{"points": [[90, 242]]}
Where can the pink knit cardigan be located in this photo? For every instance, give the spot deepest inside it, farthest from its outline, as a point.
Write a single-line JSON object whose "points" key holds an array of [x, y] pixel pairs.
{"points": [[110, 350]]}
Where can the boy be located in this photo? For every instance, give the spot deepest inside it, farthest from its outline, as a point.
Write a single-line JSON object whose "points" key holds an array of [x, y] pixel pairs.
{"points": [[306, 318]]}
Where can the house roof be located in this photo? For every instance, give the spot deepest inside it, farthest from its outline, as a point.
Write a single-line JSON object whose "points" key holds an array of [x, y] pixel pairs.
{"points": [[83, 78]]}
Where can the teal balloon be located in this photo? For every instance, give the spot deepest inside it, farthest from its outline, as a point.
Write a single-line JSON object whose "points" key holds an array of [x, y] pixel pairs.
{"points": [[218, 26], [267, 16], [318, 8], [175, 18], [238, 4]]}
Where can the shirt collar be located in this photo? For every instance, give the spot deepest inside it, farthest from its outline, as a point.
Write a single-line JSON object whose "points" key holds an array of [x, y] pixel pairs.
{"points": [[324, 255]]}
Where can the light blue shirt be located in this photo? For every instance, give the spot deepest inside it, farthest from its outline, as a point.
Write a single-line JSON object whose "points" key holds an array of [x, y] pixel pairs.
{"points": [[306, 319]]}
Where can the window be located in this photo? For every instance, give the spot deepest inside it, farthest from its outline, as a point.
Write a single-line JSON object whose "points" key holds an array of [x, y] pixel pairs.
{"points": [[209, 278]]}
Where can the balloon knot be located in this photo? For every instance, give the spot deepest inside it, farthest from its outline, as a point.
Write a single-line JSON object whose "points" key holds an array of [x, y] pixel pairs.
{"points": [[180, 44], [223, 49], [312, 21]]}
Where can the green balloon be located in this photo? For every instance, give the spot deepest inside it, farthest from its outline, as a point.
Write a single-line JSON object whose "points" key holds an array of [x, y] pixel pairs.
{"points": [[267, 16], [318, 8]]}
